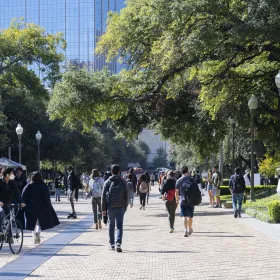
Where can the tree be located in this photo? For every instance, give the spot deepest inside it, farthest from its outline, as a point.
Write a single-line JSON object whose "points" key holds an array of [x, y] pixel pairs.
{"points": [[160, 160]]}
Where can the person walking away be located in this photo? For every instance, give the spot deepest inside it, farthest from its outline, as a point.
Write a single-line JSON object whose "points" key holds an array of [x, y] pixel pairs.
{"points": [[190, 196], [149, 185], [58, 182], [9, 193], [21, 182], [153, 178], [96, 187], [210, 188], [114, 204], [217, 177], [131, 189], [39, 212], [73, 185], [168, 195], [131, 171], [237, 188], [107, 175], [142, 190]]}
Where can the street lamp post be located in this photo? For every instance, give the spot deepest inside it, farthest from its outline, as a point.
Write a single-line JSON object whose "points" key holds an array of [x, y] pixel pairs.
{"points": [[19, 131], [277, 81], [253, 105], [38, 138], [233, 123]]}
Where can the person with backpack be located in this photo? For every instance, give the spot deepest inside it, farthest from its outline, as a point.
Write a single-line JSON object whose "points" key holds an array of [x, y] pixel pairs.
{"points": [[149, 185], [153, 178], [168, 195], [131, 171], [114, 205], [190, 196], [217, 179], [131, 189], [237, 187], [142, 190], [96, 183], [74, 184], [197, 178], [58, 182]]}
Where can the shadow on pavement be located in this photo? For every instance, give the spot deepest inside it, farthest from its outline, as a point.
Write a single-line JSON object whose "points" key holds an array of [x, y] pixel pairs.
{"points": [[15, 274], [160, 252]]}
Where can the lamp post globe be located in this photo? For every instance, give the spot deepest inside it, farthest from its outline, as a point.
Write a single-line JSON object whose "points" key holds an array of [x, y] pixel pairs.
{"points": [[19, 131], [253, 103], [277, 81], [232, 121], [38, 136]]}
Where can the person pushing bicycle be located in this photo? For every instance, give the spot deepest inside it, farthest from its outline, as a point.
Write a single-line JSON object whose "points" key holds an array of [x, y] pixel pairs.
{"points": [[8, 193]]}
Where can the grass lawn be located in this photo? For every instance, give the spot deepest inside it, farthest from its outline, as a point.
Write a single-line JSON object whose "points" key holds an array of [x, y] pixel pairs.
{"points": [[259, 208]]}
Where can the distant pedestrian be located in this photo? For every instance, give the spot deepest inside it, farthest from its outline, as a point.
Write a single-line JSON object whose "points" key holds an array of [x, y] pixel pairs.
{"points": [[114, 204], [153, 178], [131, 189], [198, 179], [217, 180], [131, 171], [237, 188], [168, 195], [210, 188], [142, 190], [96, 187], [39, 212], [73, 184], [58, 182], [107, 175], [247, 178], [149, 185], [189, 193]]}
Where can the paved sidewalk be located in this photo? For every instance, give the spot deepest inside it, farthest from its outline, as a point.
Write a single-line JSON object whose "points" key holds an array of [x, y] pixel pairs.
{"points": [[221, 247]]}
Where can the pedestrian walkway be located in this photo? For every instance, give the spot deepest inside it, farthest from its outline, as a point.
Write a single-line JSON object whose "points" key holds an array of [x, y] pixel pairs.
{"points": [[221, 247]]}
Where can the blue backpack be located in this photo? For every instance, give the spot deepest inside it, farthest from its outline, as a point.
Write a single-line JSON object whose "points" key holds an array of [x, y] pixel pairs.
{"points": [[190, 193]]}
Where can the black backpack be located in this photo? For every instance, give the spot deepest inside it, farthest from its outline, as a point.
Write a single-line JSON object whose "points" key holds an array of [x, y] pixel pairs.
{"points": [[191, 195], [238, 184], [115, 194]]}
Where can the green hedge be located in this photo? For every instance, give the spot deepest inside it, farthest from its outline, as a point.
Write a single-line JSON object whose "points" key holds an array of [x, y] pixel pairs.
{"points": [[225, 189], [274, 211]]}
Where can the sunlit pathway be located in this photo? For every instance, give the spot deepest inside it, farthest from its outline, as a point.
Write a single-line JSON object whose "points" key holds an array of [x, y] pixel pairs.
{"points": [[221, 247]]}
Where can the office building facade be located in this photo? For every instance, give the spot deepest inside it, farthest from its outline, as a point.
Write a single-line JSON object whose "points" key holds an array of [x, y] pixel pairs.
{"points": [[82, 22]]}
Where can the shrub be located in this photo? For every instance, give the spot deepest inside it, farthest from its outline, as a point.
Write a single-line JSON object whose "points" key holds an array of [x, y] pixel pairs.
{"points": [[225, 189], [226, 182], [274, 211]]}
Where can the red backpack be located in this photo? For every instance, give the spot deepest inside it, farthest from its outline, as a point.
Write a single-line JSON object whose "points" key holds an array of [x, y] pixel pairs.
{"points": [[170, 195]]}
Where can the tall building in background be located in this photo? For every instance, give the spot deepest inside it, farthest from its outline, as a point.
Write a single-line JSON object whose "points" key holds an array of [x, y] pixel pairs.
{"points": [[82, 22]]}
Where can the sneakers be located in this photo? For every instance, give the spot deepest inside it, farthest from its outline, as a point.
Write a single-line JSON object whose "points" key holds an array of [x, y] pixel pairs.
{"points": [[119, 248], [239, 215], [216, 206], [190, 231], [210, 206], [235, 214], [112, 247], [171, 230], [141, 207], [186, 234], [100, 224], [96, 225]]}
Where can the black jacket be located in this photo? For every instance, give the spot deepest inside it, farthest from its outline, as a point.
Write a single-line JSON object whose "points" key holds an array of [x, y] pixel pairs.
{"points": [[74, 183], [120, 182], [167, 186], [21, 183], [9, 192], [38, 206]]}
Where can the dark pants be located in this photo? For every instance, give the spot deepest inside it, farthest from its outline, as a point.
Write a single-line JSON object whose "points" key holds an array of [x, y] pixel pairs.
{"points": [[143, 199], [96, 203], [171, 209], [115, 215], [72, 196]]}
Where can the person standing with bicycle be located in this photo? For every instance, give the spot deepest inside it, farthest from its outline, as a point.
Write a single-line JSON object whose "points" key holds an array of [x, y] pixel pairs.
{"points": [[8, 193]]}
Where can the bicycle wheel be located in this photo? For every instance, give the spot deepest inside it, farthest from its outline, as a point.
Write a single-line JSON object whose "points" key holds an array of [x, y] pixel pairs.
{"points": [[15, 237]]}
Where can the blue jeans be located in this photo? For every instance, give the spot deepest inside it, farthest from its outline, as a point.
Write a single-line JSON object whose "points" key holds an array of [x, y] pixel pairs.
{"points": [[131, 197], [57, 193], [115, 215], [237, 197]]}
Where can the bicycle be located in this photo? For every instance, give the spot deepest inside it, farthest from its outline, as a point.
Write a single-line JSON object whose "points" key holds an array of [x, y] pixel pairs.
{"points": [[11, 232]]}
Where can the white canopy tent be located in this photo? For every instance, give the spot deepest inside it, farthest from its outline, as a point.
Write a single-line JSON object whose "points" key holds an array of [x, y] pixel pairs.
{"points": [[6, 163]]}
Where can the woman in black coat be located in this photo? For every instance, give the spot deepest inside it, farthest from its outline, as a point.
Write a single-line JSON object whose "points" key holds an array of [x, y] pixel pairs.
{"points": [[39, 212]]}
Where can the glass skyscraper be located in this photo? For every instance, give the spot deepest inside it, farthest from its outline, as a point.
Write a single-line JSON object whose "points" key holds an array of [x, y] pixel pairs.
{"points": [[81, 21]]}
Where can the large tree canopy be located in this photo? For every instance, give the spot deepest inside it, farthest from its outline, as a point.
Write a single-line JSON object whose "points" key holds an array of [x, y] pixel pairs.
{"points": [[190, 66]]}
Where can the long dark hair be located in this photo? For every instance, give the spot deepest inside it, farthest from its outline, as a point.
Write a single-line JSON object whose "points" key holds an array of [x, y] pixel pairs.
{"points": [[36, 177], [143, 178]]}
